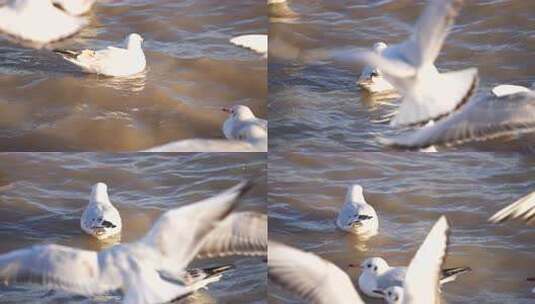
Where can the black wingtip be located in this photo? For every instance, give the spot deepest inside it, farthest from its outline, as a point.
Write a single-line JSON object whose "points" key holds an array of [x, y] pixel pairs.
{"points": [[448, 272], [66, 53], [210, 271]]}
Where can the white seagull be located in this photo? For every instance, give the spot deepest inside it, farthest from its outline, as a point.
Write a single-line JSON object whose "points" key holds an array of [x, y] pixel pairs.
{"points": [[38, 22], [111, 61], [377, 275], [408, 66], [256, 42], [150, 270], [524, 208], [310, 277], [244, 133], [100, 218], [357, 216], [481, 119], [371, 79], [75, 7], [243, 125]]}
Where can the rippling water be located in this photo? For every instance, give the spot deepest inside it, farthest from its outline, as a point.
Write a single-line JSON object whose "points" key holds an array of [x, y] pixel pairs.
{"points": [[319, 106], [47, 104], [42, 197], [409, 192]]}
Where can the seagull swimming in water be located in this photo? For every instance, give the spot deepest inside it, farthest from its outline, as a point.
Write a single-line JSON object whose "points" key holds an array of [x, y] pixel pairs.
{"points": [[242, 124], [111, 61], [75, 7], [38, 22], [371, 79], [100, 218], [244, 133], [421, 279], [357, 216], [408, 66], [148, 271]]}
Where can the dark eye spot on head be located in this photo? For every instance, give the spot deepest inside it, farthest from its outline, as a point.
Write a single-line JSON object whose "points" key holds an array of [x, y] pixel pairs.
{"points": [[374, 74], [369, 265], [375, 268]]}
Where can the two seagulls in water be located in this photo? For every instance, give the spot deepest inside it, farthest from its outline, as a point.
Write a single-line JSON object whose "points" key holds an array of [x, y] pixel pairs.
{"points": [[445, 98], [320, 281], [152, 269]]}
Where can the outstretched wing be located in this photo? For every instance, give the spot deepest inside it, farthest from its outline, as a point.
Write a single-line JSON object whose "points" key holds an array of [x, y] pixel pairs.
{"points": [[39, 22], [479, 120], [180, 233], [243, 233], [207, 145], [309, 276], [430, 31], [393, 67], [523, 208], [421, 284], [56, 267]]}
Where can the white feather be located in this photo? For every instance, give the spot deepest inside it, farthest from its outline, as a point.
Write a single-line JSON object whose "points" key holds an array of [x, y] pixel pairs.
{"points": [[38, 22]]}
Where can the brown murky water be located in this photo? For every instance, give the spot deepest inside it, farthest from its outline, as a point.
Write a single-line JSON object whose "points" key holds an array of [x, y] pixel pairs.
{"points": [[42, 196], [318, 106], [409, 192], [46, 104]]}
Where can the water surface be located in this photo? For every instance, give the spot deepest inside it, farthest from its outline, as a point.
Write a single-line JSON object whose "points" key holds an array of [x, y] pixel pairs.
{"points": [[410, 191]]}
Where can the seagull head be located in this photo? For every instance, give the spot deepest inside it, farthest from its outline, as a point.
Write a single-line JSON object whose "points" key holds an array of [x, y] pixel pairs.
{"points": [[379, 47], [134, 41], [354, 193], [239, 112], [393, 295], [375, 265]]}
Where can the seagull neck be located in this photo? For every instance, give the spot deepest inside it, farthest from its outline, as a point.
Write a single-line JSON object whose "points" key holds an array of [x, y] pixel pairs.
{"points": [[100, 197], [134, 46], [354, 194]]}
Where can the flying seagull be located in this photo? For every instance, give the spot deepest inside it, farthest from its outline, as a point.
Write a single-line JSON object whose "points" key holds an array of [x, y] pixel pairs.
{"points": [[409, 67], [150, 270]]}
